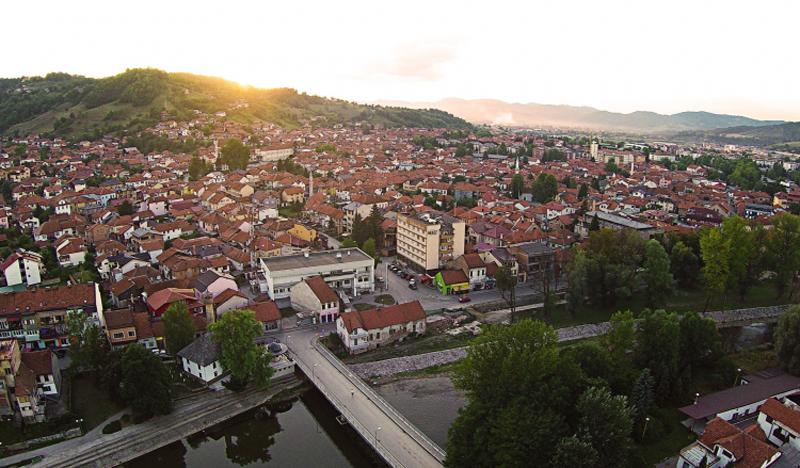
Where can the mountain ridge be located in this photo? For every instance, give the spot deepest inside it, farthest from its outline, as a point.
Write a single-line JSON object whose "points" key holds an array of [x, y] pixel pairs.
{"points": [[79, 107], [495, 111]]}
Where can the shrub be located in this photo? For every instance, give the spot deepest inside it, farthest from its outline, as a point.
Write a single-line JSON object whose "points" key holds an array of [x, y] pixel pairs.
{"points": [[112, 427]]}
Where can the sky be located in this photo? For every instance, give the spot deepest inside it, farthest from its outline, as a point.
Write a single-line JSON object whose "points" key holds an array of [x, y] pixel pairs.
{"points": [[731, 56]]}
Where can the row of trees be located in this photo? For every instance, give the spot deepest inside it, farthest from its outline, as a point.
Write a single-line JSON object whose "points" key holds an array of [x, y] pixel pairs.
{"points": [[543, 189], [579, 406]]}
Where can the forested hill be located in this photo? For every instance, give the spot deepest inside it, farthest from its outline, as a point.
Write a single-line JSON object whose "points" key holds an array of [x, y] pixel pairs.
{"points": [[76, 106]]}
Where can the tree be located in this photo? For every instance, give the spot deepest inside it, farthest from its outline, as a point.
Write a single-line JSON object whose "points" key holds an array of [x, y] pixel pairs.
{"points": [[783, 250], [583, 191], [742, 253], [88, 343], [657, 276], [553, 154], [198, 168], [716, 253], [684, 265], [235, 333], [544, 188], [125, 208], [235, 154], [606, 423], [621, 335], [517, 185], [521, 395], [348, 243], [613, 261], [787, 340], [574, 452], [370, 249], [700, 345], [658, 349], [642, 396], [179, 330], [595, 224], [360, 231], [577, 273], [145, 383], [507, 283]]}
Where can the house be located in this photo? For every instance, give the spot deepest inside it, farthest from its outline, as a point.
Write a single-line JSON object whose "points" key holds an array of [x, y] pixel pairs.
{"points": [[159, 301], [45, 366], [228, 300], [723, 444], [120, 327], [451, 282], [743, 400], [364, 330], [70, 251], [535, 260], [28, 380], [314, 296], [292, 195], [200, 358], [212, 284], [780, 420], [473, 266], [22, 267], [267, 313]]}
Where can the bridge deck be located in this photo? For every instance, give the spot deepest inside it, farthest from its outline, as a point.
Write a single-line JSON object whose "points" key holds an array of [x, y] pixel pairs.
{"points": [[388, 432]]}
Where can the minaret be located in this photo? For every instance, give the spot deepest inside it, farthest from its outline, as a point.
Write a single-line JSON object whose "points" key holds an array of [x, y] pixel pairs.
{"points": [[310, 183], [516, 166]]}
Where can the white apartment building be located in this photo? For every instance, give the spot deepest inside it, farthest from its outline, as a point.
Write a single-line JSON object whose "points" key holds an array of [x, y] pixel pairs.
{"points": [[22, 267], [430, 240], [345, 269]]}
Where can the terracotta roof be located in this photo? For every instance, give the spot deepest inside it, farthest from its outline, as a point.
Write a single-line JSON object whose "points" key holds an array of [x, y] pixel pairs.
{"points": [[321, 289], [41, 362], [120, 318], [227, 294], [170, 295], [41, 299], [748, 447], [266, 311], [454, 277], [785, 415], [381, 318]]}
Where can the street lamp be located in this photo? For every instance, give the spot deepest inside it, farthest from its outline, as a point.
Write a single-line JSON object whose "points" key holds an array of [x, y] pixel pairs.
{"points": [[79, 422], [736, 379], [646, 420], [376, 436]]}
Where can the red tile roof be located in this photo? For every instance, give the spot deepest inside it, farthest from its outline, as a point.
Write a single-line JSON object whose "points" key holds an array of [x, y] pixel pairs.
{"points": [[381, 318]]}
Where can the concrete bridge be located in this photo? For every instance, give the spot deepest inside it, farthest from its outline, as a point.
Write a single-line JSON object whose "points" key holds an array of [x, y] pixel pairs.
{"points": [[742, 317], [392, 436]]}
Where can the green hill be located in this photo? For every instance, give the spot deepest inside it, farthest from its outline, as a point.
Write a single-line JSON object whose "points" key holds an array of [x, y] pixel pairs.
{"points": [[79, 107], [781, 136]]}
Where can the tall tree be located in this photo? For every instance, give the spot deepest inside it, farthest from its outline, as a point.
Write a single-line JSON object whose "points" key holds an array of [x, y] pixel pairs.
{"points": [[88, 343], [742, 251], [574, 452], [658, 349], [614, 260], [544, 188], [606, 423], [125, 208], [684, 265], [715, 251], [657, 276], [783, 251], [787, 340], [235, 332], [179, 328], [642, 395], [621, 335], [583, 191], [577, 274], [145, 384], [235, 154], [517, 185], [507, 284]]}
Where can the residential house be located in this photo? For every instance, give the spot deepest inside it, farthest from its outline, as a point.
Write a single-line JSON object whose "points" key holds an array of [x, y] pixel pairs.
{"points": [[364, 330], [314, 296]]}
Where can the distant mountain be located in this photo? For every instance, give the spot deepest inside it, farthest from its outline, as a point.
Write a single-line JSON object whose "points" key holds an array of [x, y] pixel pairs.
{"points": [[783, 136], [70, 105], [491, 111]]}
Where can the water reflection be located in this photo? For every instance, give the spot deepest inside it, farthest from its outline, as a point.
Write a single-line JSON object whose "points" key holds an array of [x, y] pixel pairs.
{"points": [[306, 433]]}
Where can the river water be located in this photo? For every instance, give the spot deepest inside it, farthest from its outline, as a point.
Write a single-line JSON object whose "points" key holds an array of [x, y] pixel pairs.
{"points": [[306, 434]]}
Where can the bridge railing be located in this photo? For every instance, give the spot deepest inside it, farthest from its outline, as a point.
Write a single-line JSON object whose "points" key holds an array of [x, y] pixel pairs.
{"points": [[429, 445]]}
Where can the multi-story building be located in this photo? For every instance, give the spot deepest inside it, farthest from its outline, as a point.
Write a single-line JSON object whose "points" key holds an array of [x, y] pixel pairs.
{"points": [[348, 269], [273, 153], [430, 240], [22, 267], [37, 318]]}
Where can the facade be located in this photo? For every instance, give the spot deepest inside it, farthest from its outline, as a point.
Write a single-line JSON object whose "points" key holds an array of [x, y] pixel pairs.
{"points": [[313, 295], [364, 330], [274, 153], [780, 420], [451, 282], [428, 241], [535, 260], [200, 358], [38, 317], [474, 267], [723, 444], [348, 269]]}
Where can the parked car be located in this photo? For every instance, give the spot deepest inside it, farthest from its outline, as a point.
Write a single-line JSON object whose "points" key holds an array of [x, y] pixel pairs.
{"points": [[463, 299], [412, 286]]}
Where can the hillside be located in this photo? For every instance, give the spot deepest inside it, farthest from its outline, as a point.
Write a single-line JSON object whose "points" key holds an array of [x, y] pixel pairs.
{"points": [[781, 136], [491, 111], [76, 106]]}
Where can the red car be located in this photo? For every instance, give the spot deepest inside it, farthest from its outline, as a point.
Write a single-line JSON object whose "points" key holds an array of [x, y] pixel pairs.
{"points": [[463, 299]]}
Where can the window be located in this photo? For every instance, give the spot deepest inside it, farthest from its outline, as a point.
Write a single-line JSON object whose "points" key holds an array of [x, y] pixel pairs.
{"points": [[119, 335], [131, 333]]}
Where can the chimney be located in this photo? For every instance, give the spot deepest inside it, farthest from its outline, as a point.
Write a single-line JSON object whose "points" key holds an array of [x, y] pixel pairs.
{"points": [[305, 254]]}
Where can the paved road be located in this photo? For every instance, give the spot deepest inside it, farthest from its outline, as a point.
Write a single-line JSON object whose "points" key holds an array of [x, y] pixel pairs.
{"points": [[380, 424]]}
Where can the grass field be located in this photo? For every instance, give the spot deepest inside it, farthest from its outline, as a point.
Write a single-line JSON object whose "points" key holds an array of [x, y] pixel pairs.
{"points": [[410, 347], [90, 402]]}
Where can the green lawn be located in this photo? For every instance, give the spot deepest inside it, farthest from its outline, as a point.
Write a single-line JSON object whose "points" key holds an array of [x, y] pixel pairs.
{"points": [[288, 212], [90, 402], [363, 306], [410, 347], [665, 438], [385, 299]]}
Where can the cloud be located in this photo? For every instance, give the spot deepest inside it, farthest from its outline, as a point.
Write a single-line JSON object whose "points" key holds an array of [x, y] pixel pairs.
{"points": [[419, 62]]}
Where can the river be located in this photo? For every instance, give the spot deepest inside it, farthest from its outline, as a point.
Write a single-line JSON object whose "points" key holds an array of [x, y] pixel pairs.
{"points": [[305, 432]]}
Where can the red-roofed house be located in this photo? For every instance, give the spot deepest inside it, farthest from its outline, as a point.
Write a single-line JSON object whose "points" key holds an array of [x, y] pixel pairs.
{"points": [[158, 303], [780, 420], [364, 330], [314, 296], [723, 444]]}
